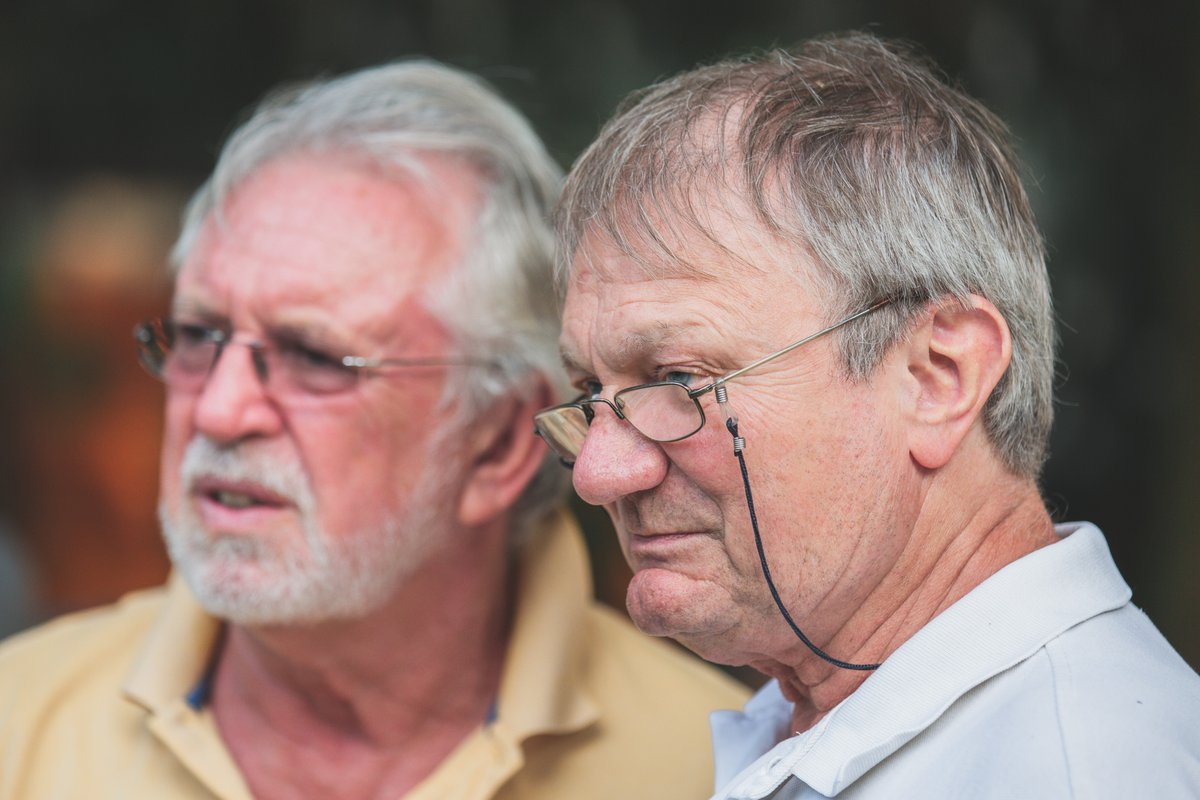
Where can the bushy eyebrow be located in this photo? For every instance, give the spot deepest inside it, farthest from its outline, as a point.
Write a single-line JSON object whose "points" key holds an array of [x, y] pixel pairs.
{"points": [[301, 325]]}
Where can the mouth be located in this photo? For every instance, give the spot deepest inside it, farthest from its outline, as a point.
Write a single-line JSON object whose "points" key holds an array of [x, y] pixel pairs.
{"points": [[234, 496], [648, 547], [666, 536], [236, 499]]}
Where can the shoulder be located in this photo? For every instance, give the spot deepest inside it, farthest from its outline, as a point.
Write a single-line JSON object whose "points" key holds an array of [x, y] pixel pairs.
{"points": [[132, 614], [1116, 670], [1106, 708], [73, 653], [68, 727], [1127, 706]]}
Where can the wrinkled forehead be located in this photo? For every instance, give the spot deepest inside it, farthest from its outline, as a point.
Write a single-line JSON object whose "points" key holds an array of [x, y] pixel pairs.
{"points": [[325, 241], [712, 237], [717, 271], [618, 310]]}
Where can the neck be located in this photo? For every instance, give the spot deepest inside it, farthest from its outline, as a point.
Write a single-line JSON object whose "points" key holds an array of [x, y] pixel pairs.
{"points": [[380, 700], [952, 548]]}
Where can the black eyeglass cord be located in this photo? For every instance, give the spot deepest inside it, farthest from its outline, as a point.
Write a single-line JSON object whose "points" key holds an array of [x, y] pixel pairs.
{"points": [[739, 444]]}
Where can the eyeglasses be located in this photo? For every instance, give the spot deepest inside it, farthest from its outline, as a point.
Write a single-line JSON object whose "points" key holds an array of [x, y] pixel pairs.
{"points": [[183, 354], [666, 411]]}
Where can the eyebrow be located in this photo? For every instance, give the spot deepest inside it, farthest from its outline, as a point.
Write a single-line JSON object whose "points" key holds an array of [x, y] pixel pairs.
{"points": [[633, 346], [198, 308], [302, 326]]}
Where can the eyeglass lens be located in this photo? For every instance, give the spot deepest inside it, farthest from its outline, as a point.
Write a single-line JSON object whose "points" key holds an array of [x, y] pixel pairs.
{"points": [[183, 355], [663, 412]]}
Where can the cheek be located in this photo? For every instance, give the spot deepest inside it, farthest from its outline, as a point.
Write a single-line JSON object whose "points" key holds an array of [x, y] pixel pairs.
{"points": [[707, 462], [177, 432], [362, 466]]}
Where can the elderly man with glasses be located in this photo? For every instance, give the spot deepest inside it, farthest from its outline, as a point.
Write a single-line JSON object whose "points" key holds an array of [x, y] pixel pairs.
{"points": [[808, 318], [375, 592]]}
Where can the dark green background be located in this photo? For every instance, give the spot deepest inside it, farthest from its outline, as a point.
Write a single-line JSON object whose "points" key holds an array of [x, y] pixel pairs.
{"points": [[1101, 96]]}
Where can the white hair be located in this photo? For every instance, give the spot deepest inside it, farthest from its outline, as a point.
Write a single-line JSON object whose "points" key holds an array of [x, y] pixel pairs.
{"points": [[499, 304], [855, 154]]}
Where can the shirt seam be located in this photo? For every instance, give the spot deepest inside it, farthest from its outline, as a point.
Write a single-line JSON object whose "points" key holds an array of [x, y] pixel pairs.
{"points": [[1060, 679]]}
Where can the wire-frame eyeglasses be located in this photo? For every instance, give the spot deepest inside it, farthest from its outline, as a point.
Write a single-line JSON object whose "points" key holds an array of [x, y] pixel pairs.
{"points": [[665, 411], [183, 354]]}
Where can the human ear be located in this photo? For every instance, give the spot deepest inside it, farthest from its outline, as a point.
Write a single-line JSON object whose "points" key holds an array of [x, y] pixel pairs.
{"points": [[956, 356], [504, 456]]}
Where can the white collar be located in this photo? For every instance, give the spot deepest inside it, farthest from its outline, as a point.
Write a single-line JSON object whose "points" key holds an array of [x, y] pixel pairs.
{"points": [[998, 624]]}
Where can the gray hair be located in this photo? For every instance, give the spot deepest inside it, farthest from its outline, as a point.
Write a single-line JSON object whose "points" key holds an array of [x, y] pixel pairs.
{"points": [[856, 153], [499, 304]]}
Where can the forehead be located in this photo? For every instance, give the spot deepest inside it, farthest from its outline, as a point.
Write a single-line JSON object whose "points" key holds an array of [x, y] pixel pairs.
{"points": [[325, 234], [721, 297]]}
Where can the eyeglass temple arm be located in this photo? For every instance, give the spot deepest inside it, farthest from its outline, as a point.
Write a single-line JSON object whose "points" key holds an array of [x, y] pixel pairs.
{"points": [[722, 394], [359, 362], [772, 356]]}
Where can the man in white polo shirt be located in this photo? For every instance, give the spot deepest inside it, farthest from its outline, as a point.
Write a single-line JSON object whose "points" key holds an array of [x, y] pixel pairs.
{"points": [[808, 317]]}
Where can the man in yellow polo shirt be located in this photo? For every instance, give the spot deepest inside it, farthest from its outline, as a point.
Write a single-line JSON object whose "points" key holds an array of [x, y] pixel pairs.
{"points": [[374, 595]]}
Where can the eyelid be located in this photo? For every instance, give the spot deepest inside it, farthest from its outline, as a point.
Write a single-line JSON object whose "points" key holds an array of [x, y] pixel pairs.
{"points": [[186, 320], [696, 375], [196, 329], [317, 342], [296, 335]]}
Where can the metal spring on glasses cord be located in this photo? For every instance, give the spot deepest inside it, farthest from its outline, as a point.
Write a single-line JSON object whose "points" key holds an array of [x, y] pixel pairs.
{"points": [[722, 395]]}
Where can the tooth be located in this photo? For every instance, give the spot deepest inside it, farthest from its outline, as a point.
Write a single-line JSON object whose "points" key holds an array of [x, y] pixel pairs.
{"points": [[234, 499]]}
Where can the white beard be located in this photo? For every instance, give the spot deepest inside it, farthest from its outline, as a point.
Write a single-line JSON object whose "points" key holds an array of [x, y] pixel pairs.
{"points": [[273, 581]]}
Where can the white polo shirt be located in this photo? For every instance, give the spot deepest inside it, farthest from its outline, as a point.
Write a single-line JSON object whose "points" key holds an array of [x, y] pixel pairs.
{"points": [[1042, 682]]}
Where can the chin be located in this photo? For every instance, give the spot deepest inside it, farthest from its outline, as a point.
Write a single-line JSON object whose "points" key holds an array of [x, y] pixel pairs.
{"points": [[263, 589], [696, 612], [263, 583]]}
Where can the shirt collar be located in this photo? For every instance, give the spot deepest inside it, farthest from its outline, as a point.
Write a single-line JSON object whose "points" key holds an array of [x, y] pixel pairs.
{"points": [[176, 653], [541, 690], [1000, 623]]}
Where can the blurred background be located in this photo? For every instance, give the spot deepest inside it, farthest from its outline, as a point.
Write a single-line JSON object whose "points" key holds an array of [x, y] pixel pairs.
{"points": [[111, 113]]}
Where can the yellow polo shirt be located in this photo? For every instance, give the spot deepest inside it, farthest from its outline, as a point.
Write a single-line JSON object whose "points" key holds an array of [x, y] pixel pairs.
{"points": [[109, 703]]}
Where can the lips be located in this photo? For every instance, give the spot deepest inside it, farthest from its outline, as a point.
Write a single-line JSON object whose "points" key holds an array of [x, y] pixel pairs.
{"points": [[639, 527], [647, 548], [237, 495], [666, 534]]}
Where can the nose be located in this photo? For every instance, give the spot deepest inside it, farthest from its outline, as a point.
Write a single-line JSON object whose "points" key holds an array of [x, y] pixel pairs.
{"points": [[233, 404], [616, 461]]}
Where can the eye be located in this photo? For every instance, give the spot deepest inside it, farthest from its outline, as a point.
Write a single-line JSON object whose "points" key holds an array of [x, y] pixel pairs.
{"points": [[187, 335], [677, 376], [309, 358], [590, 388]]}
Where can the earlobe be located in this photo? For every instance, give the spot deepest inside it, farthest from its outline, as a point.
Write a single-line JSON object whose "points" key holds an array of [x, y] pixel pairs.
{"points": [[504, 457], [956, 357]]}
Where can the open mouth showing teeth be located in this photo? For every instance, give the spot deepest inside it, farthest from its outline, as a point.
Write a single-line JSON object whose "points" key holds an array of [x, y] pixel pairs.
{"points": [[236, 499]]}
